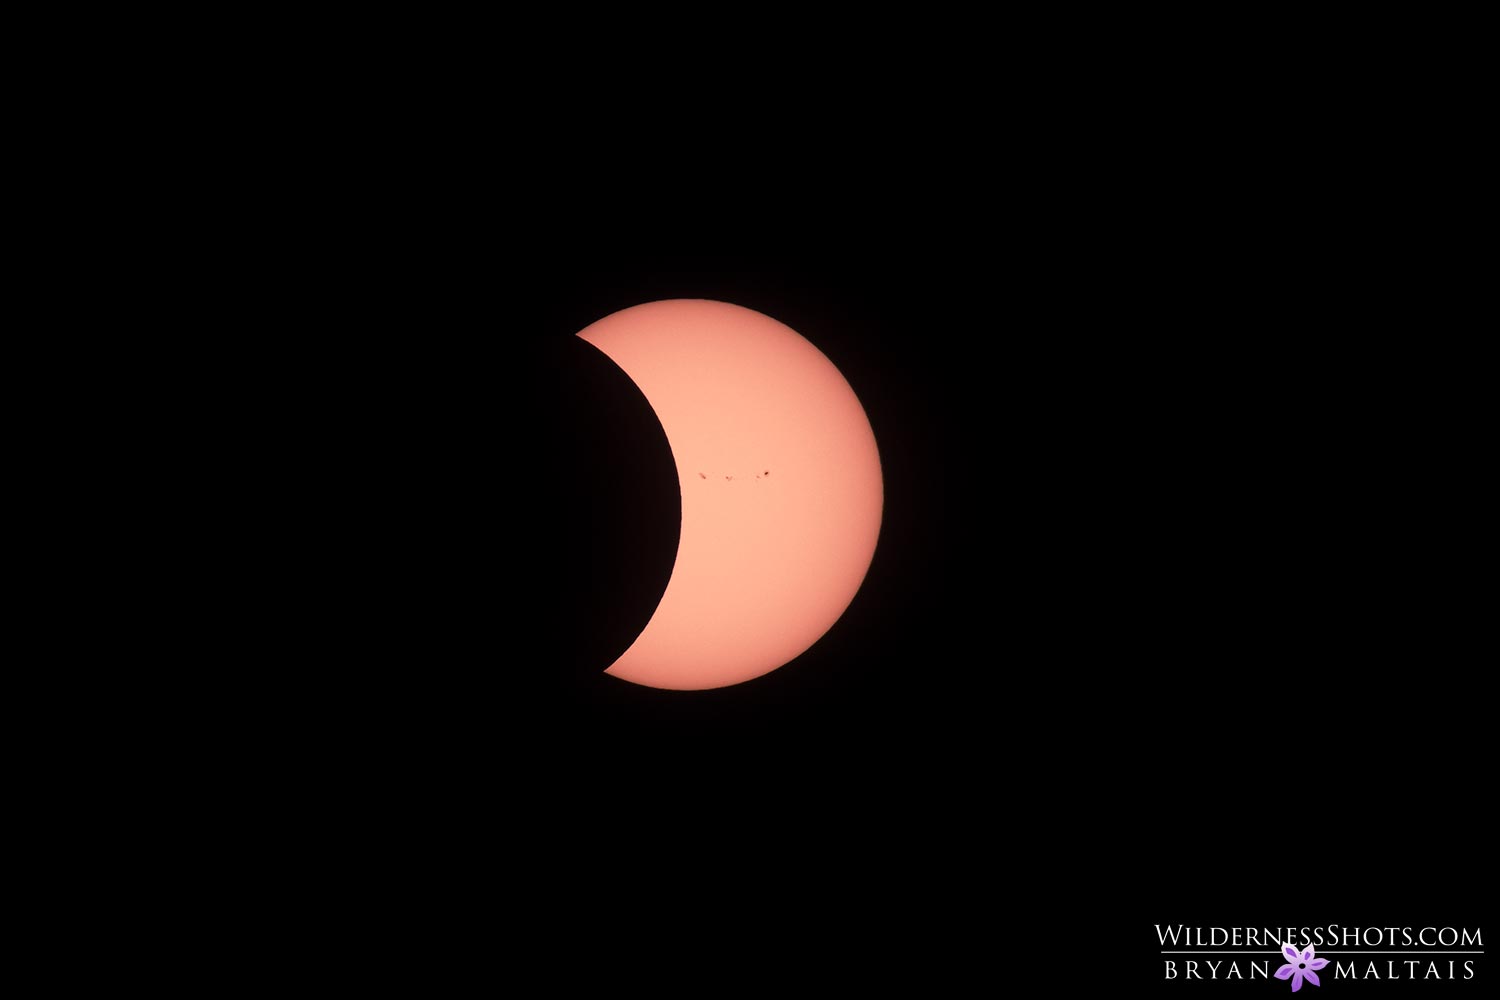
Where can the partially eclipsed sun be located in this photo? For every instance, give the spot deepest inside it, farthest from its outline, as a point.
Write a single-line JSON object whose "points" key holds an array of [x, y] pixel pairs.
{"points": [[781, 489]]}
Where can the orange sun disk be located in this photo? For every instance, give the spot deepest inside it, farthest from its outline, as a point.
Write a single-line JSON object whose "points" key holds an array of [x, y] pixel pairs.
{"points": [[781, 489]]}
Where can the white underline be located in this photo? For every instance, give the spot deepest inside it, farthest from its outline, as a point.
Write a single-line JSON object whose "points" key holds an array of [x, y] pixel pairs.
{"points": [[1212, 951]]}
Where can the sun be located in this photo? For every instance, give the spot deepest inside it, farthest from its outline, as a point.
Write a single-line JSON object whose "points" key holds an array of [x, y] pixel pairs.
{"points": [[781, 485]]}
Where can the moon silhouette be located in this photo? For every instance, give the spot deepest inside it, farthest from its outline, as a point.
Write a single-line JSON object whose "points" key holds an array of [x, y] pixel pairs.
{"points": [[781, 489]]}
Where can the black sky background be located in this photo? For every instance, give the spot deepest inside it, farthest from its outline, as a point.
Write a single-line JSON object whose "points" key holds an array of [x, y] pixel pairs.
{"points": [[1179, 608]]}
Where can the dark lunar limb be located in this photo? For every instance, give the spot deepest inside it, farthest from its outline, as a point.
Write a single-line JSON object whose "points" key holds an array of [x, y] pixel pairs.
{"points": [[606, 542]]}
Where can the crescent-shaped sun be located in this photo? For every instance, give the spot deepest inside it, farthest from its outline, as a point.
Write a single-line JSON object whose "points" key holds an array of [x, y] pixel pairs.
{"points": [[781, 486]]}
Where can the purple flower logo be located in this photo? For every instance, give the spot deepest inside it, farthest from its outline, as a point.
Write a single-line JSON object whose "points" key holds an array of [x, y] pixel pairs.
{"points": [[1302, 966]]}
